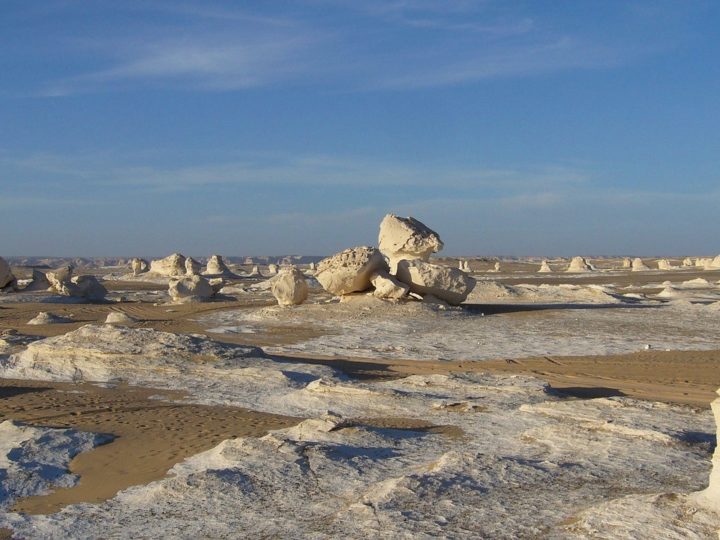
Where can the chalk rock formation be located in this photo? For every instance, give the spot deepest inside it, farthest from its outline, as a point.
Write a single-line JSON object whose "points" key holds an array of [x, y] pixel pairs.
{"points": [[289, 286], [190, 289], [495, 268], [216, 267], [406, 238], [627, 263], [39, 282], [47, 318], [6, 276], [350, 270], [171, 266], [638, 265], [387, 286], [138, 266], [272, 269], [192, 267], [255, 271], [715, 263], [664, 264], [59, 277], [579, 264], [448, 284], [87, 287], [119, 318], [216, 284], [710, 497], [544, 268], [687, 262]]}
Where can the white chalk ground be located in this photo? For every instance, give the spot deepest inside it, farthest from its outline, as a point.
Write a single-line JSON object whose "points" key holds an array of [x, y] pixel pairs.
{"points": [[519, 463]]}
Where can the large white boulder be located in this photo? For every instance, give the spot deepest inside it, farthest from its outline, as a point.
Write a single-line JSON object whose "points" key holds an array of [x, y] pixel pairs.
{"points": [[60, 276], [190, 289], [406, 238], [710, 497], [638, 265], [217, 267], [87, 287], [443, 282], [192, 267], [171, 266], [6, 275], [289, 286], [386, 286], [138, 266], [350, 270], [578, 265]]}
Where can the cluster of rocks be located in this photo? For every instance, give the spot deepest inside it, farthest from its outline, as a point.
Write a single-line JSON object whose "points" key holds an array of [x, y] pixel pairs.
{"points": [[63, 282], [400, 266]]}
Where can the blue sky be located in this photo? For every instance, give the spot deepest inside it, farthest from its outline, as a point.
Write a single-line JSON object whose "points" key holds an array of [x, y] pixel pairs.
{"points": [[519, 128]]}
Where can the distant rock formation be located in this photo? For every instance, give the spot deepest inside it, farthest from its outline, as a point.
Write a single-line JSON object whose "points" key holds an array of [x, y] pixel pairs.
{"points": [[192, 267], [687, 262], [627, 263], [217, 267], [171, 266], [88, 287], [544, 268], [272, 269], [289, 286], [386, 286], [190, 289], [710, 497], [255, 271], [120, 319], [448, 284], [664, 264], [139, 266], [579, 265], [495, 269], [7, 279], [638, 265], [39, 282], [350, 270], [47, 318], [406, 238]]}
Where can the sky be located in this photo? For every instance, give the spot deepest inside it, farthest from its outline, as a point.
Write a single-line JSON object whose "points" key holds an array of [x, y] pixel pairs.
{"points": [[574, 127]]}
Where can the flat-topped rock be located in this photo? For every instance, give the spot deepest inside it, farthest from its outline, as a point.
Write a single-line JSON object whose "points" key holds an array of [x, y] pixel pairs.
{"points": [[406, 238], [171, 266]]}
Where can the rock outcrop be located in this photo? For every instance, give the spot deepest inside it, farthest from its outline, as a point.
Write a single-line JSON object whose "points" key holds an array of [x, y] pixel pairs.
{"points": [[139, 266], [39, 282], [289, 286], [578, 265], [350, 270], [406, 238], [7, 279], [190, 289], [171, 266], [120, 319], [445, 283], [63, 283], [60, 276], [664, 264], [710, 497], [47, 318], [386, 286], [192, 267], [217, 267], [638, 265], [544, 268], [688, 262], [272, 269]]}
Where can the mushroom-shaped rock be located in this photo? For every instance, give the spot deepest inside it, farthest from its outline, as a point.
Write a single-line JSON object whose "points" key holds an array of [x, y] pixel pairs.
{"points": [[710, 497], [190, 289], [39, 282], [216, 267], [406, 238], [544, 268], [386, 286], [171, 266], [138, 266], [120, 319], [289, 286], [579, 264], [638, 265], [192, 267], [350, 270], [443, 282], [6, 276]]}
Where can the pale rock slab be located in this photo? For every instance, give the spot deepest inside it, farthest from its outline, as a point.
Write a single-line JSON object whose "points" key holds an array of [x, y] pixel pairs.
{"points": [[350, 270], [289, 287], [171, 266], [638, 265], [190, 289], [448, 284], [139, 266], [386, 286], [579, 265], [406, 238]]}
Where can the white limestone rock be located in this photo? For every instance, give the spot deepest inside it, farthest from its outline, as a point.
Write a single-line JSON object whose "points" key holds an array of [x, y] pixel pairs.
{"points": [[47, 318], [60, 277], [688, 262], [386, 286], [544, 268], [139, 266], [272, 269], [350, 270], [448, 284], [627, 263], [39, 282], [638, 265], [579, 265], [192, 267], [406, 238], [120, 319], [190, 289], [495, 268], [710, 497], [216, 284], [289, 287], [664, 264], [255, 271], [217, 267], [87, 287], [7, 279], [171, 266]]}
